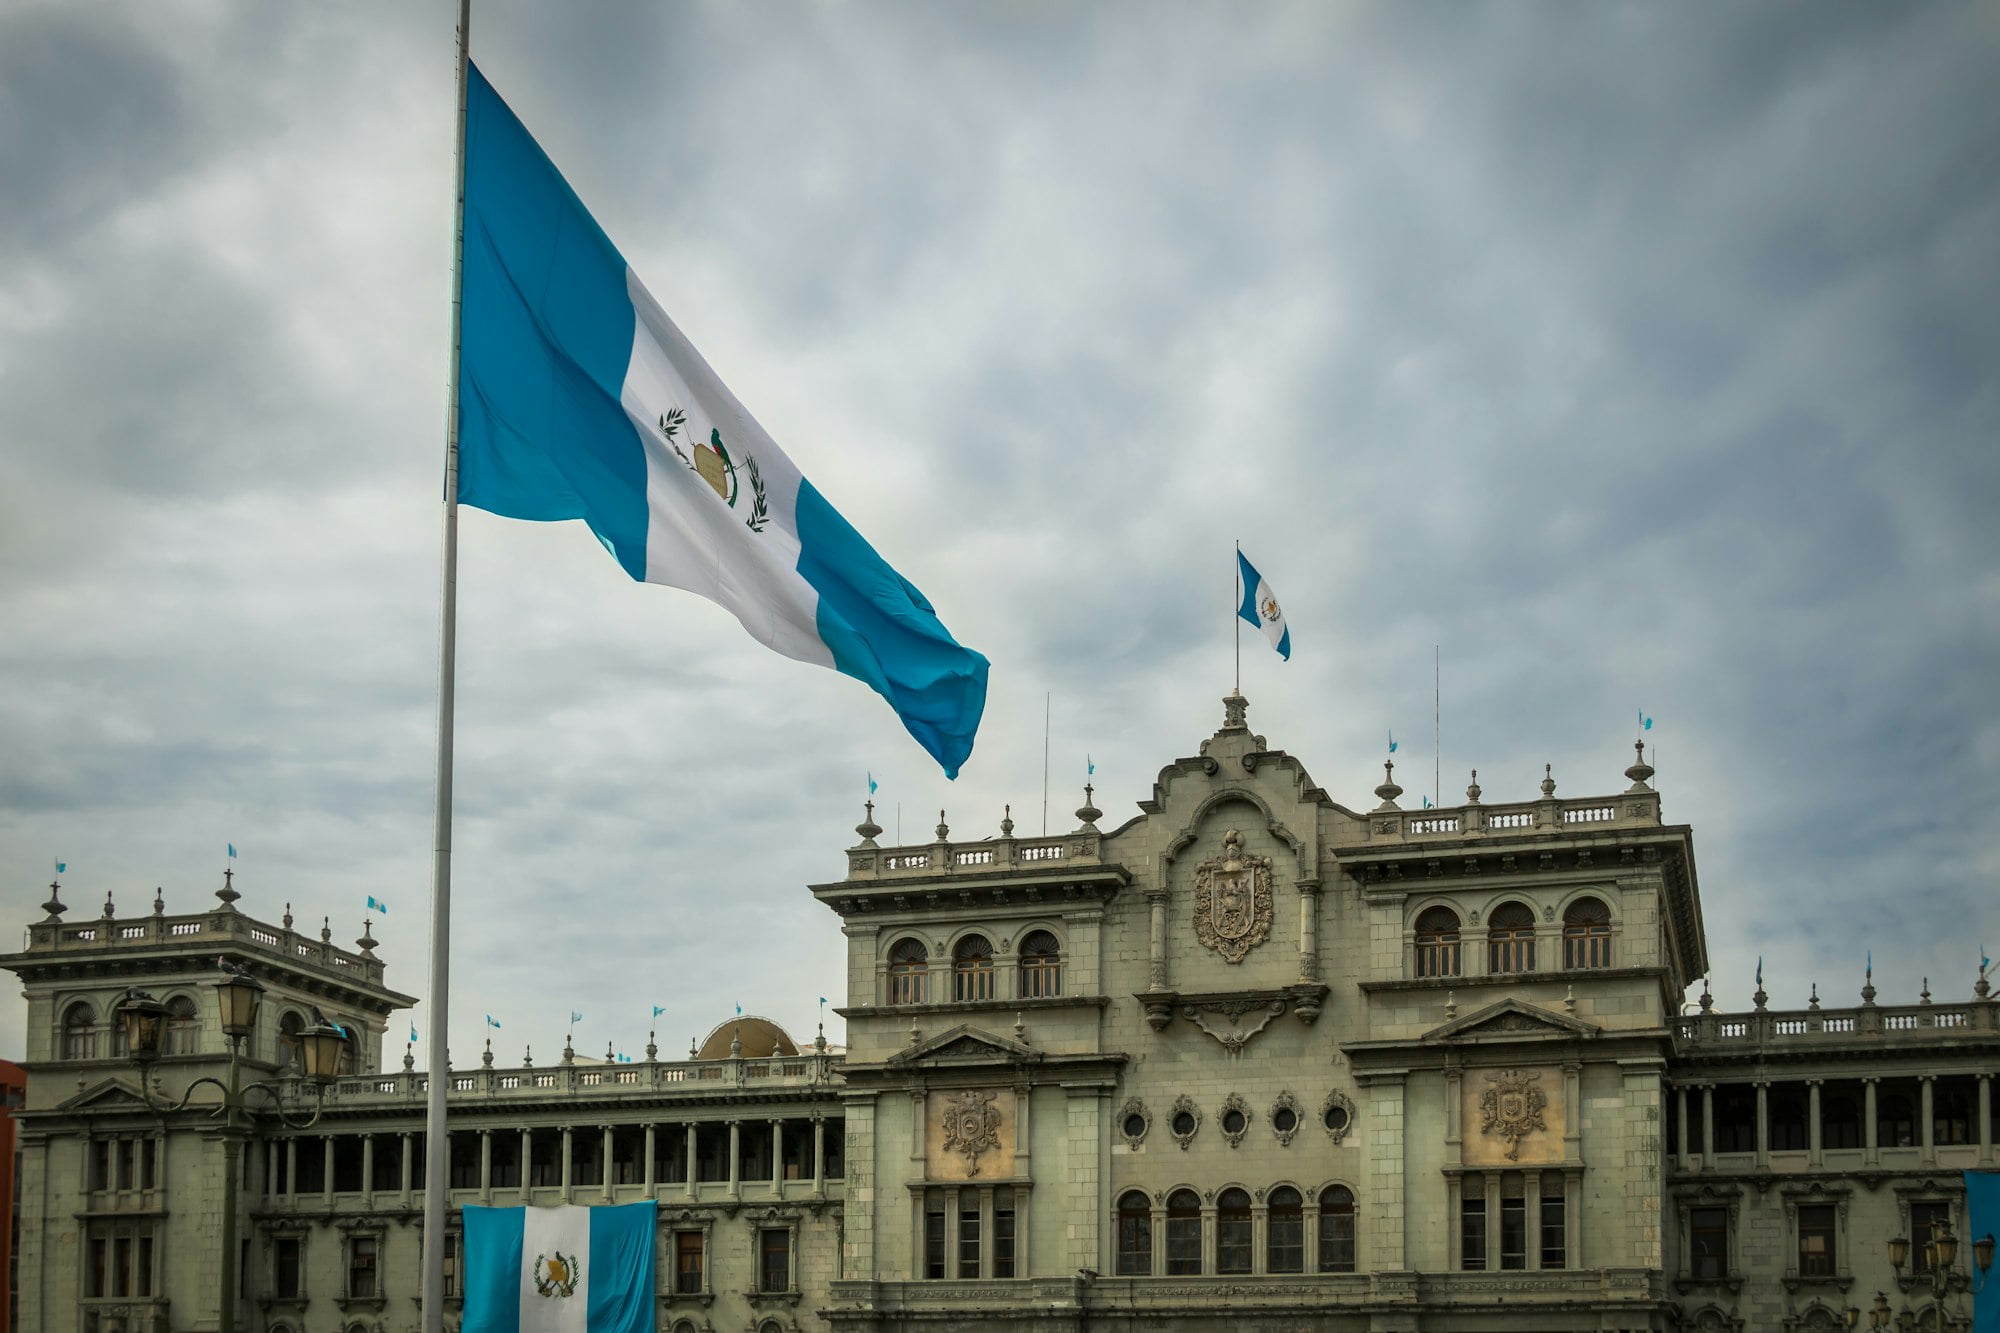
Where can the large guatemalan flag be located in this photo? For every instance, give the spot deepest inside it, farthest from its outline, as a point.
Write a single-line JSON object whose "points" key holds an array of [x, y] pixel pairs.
{"points": [[1982, 1213], [559, 1270], [580, 399]]}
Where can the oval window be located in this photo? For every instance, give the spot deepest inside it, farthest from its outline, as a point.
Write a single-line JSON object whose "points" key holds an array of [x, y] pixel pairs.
{"points": [[1232, 1122], [1336, 1118], [1284, 1120], [1135, 1127], [1184, 1123]]}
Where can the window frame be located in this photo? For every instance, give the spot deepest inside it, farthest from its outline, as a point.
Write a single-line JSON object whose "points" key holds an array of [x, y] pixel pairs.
{"points": [[1235, 1233], [1132, 1225], [973, 974], [1039, 971], [77, 1040], [1587, 939], [1437, 952], [1337, 1201], [1184, 1239], [908, 971], [1284, 1230], [1510, 949]]}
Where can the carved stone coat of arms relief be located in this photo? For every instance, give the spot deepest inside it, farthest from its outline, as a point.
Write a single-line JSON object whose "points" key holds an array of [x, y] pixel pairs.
{"points": [[971, 1127], [1512, 1108], [1232, 900]]}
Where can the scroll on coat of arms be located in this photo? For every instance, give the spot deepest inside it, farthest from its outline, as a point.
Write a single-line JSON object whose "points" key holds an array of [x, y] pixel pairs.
{"points": [[1232, 900]]}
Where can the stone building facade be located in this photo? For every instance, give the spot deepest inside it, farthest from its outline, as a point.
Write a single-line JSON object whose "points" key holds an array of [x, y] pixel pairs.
{"points": [[1251, 1058]]}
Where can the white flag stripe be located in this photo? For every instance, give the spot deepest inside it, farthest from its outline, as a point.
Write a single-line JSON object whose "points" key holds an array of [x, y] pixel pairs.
{"points": [[546, 1233]]}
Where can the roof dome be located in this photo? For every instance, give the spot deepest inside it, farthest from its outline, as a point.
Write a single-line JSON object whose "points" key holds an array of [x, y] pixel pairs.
{"points": [[760, 1036]]}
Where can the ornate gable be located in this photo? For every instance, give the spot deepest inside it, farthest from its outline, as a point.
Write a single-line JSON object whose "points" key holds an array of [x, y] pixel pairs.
{"points": [[1511, 1020], [964, 1045], [111, 1095]]}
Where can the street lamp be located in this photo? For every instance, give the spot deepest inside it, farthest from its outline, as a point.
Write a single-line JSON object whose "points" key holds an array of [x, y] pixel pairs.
{"points": [[1940, 1253], [143, 1020]]}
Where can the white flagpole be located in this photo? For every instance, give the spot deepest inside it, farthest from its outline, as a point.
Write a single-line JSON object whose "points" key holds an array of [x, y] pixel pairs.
{"points": [[1236, 614], [436, 1141]]}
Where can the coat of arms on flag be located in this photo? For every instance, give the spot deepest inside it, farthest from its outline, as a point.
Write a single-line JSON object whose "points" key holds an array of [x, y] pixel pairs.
{"points": [[557, 1276]]}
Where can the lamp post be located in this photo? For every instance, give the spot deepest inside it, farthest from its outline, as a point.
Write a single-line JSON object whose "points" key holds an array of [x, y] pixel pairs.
{"points": [[144, 1021], [1940, 1253]]}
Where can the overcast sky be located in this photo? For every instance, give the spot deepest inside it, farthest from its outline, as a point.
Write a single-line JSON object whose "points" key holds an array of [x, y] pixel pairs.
{"points": [[1633, 356]]}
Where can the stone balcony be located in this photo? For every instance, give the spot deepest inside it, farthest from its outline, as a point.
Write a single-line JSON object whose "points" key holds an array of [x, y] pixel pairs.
{"points": [[54, 941], [1764, 1032], [599, 1086]]}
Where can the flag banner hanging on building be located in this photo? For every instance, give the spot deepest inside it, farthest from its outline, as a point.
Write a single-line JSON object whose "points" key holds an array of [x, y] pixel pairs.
{"points": [[567, 1269], [579, 398], [1260, 607], [1982, 1213]]}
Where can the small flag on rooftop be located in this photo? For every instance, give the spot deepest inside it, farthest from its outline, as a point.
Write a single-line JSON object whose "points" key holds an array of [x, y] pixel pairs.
{"points": [[575, 1017], [232, 851], [659, 1009], [413, 1033], [1392, 740], [871, 784], [377, 905], [1645, 723], [492, 1022], [62, 867]]}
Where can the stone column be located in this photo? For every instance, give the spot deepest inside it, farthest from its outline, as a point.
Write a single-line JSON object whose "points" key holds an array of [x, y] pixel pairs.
{"points": [[326, 1158], [651, 1167], [292, 1167], [1573, 1102], [1763, 1124], [985, 1231], [1024, 1169], [690, 1159], [736, 1159], [1708, 1126], [527, 1161], [819, 1156], [1311, 1209], [485, 1168], [1156, 900], [367, 1170], [1813, 1146], [605, 1162], [1308, 928], [1208, 1237], [777, 1158], [1260, 1230], [1681, 1110], [568, 1176], [1871, 1145], [1531, 1214], [1985, 1104], [1929, 1125]]}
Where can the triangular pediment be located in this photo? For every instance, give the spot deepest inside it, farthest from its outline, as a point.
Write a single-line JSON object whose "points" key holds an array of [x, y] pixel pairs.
{"points": [[963, 1045], [111, 1094], [1512, 1020]]}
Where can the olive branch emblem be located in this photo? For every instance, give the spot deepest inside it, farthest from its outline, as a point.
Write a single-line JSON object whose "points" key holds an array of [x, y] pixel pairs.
{"points": [[557, 1276], [671, 424]]}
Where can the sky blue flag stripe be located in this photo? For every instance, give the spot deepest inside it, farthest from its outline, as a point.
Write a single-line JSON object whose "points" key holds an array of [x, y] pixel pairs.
{"points": [[1982, 1208], [548, 334]]}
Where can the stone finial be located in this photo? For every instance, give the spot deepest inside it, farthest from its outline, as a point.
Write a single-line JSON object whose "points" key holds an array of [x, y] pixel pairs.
{"points": [[1007, 821], [486, 1058], [736, 1042], [868, 828], [527, 1057], [569, 1052], [1707, 1000], [326, 930], [1020, 1028], [367, 942], [819, 1042], [409, 1057], [1088, 811], [1450, 1006], [1758, 997], [943, 829], [1812, 1001], [1472, 789], [691, 1051], [228, 892], [1388, 791], [1548, 782], [610, 1055], [159, 901], [54, 906], [109, 910], [652, 1048], [1925, 997], [1868, 984], [288, 916], [1234, 709], [1640, 770]]}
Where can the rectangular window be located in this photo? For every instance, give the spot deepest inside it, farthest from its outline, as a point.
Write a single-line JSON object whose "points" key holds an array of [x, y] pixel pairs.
{"points": [[128, 1164], [968, 1239], [1184, 1246], [148, 1162], [312, 1166], [463, 1156], [1232, 1243], [1708, 1244], [454, 1259], [1555, 1240], [1513, 1222], [1924, 1219], [1288, 1241], [121, 1266], [545, 1159], [1816, 1240], [506, 1161], [100, 1268], [1437, 956], [1003, 1233], [142, 1271], [972, 982], [1336, 1237], [1472, 1225], [774, 1260], [287, 1274], [687, 1263], [1511, 951], [100, 1164], [361, 1254], [347, 1164], [934, 1241]]}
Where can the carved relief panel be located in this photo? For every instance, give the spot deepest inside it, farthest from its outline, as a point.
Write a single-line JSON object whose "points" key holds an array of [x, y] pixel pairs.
{"points": [[1232, 900], [970, 1135], [1513, 1117]]}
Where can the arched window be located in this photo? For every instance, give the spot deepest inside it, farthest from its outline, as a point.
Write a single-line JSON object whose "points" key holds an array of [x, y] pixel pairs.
{"points": [[289, 1028], [1183, 1234], [972, 969], [1041, 966], [1587, 934], [1232, 1232], [909, 972], [1437, 943], [1510, 939], [183, 1031], [1135, 1235], [1336, 1229], [1286, 1232], [79, 1032]]}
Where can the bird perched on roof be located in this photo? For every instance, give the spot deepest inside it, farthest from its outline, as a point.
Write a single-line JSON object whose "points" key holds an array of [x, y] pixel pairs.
{"points": [[233, 969]]}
